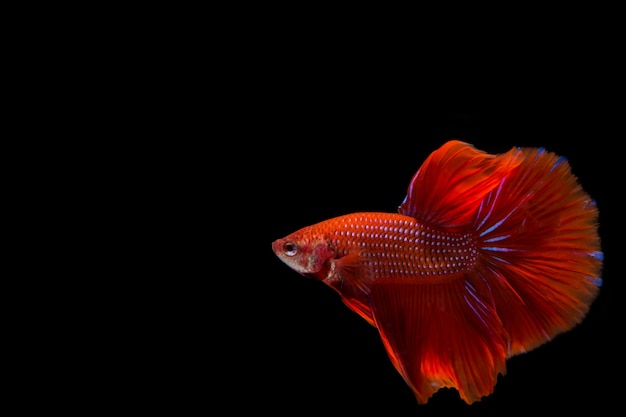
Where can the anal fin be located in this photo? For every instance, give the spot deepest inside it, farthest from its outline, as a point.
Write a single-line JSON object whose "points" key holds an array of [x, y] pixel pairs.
{"points": [[440, 335]]}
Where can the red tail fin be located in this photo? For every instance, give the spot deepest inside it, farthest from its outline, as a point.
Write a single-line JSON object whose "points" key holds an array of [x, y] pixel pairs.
{"points": [[540, 248], [537, 227], [538, 265]]}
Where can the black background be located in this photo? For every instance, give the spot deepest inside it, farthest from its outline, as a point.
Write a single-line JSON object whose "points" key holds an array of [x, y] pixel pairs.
{"points": [[198, 315], [196, 142], [222, 324]]}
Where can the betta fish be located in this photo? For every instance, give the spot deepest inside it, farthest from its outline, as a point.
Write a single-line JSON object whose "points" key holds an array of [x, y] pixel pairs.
{"points": [[488, 256]]}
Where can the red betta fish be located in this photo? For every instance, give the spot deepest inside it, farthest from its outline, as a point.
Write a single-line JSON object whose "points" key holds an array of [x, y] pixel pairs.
{"points": [[489, 256]]}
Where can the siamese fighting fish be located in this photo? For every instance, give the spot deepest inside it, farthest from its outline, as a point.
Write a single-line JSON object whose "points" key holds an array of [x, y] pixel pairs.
{"points": [[488, 256]]}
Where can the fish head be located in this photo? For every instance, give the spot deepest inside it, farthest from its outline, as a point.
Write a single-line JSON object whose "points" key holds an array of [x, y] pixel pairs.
{"points": [[305, 253]]}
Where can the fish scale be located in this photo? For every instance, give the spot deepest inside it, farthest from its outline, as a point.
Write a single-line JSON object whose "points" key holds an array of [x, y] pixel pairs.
{"points": [[398, 246]]}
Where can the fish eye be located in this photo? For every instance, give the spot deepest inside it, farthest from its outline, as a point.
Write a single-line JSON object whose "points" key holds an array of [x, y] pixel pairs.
{"points": [[290, 248]]}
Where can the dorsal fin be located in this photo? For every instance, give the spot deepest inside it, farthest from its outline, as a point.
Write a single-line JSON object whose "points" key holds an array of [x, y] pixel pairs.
{"points": [[451, 184]]}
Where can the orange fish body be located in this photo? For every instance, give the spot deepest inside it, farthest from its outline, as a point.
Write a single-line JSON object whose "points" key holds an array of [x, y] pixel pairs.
{"points": [[489, 256]]}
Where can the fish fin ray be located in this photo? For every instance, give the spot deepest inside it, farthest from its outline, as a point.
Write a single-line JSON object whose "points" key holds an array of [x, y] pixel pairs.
{"points": [[539, 248], [356, 271], [359, 306], [452, 182], [441, 335], [353, 278]]}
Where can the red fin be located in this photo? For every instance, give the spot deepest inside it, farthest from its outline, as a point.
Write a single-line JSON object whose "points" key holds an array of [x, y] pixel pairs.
{"points": [[354, 269], [540, 249], [358, 306], [450, 185], [353, 279], [441, 335]]}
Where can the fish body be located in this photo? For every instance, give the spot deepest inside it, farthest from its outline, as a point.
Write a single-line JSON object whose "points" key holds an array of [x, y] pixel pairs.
{"points": [[488, 256]]}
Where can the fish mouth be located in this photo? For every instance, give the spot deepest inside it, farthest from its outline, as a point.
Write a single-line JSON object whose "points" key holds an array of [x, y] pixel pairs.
{"points": [[277, 246]]}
